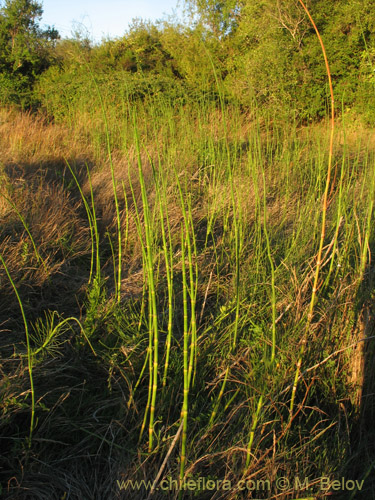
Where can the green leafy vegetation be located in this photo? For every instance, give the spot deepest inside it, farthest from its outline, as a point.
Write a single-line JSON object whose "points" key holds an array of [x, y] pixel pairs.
{"points": [[25, 49], [186, 272]]}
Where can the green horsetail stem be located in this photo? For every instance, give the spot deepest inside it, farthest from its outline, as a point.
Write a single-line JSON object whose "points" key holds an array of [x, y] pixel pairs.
{"points": [[191, 247], [168, 259], [252, 432], [184, 412], [29, 353], [149, 353], [96, 232], [365, 246], [114, 185], [153, 330], [272, 266], [90, 218]]}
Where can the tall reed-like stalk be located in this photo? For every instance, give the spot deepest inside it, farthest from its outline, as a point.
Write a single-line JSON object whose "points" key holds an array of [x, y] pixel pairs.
{"points": [[91, 217], [272, 267], [166, 232], [114, 184], [29, 352], [185, 405], [365, 253], [153, 318], [193, 274], [149, 355], [252, 431], [95, 229], [310, 313]]}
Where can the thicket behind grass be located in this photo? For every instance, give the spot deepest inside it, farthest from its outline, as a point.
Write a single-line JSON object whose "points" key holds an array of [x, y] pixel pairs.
{"points": [[213, 186]]}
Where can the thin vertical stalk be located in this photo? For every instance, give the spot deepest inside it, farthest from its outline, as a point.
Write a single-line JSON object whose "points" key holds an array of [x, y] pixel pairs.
{"points": [[114, 184], [150, 366], [191, 246], [153, 329], [272, 266], [91, 216], [252, 432], [96, 232], [365, 245], [168, 259], [160, 188], [113, 258], [184, 412], [193, 295], [29, 352], [149, 355], [324, 216], [126, 216]]}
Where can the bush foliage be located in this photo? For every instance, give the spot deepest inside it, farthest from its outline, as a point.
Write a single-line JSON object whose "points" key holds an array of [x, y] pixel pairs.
{"points": [[263, 50]]}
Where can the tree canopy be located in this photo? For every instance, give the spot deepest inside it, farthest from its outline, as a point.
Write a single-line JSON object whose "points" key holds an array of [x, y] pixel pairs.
{"points": [[25, 48]]}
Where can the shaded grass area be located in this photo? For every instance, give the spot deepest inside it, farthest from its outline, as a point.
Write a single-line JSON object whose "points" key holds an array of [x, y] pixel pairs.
{"points": [[218, 222]]}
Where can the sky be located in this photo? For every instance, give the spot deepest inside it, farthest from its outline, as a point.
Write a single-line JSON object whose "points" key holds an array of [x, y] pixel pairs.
{"points": [[103, 18]]}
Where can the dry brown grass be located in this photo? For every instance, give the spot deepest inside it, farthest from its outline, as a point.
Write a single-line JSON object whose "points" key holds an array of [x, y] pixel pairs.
{"points": [[33, 193], [30, 139]]}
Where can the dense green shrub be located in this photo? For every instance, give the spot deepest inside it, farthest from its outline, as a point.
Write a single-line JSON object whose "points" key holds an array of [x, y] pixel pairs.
{"points": [[25, 50]]}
